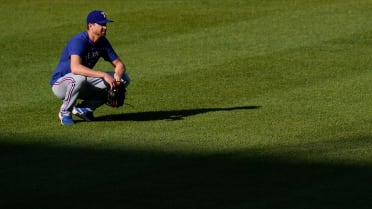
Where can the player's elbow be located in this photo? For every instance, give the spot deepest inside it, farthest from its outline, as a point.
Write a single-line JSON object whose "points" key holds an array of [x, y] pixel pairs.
{"points": [[118, 64], [74, 69], [75, 64]]}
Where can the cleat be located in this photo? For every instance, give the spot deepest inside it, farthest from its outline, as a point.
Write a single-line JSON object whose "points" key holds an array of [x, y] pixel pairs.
{"points": [[66, 118], [83, 113]]}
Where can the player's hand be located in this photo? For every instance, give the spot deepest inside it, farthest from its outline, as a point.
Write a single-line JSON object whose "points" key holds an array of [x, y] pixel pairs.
{"points": [[110, 80]]}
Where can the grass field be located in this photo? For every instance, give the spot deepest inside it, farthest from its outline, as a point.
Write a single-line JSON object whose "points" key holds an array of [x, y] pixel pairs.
{"points": [[234, 104]]}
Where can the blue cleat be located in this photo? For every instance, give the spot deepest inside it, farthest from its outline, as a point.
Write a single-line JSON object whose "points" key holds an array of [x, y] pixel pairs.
{"points": [[66, 118], [84, 113]]}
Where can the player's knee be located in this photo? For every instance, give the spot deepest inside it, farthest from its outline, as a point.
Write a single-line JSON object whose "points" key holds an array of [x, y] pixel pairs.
{"points": [[79, 80], [126, 79]]}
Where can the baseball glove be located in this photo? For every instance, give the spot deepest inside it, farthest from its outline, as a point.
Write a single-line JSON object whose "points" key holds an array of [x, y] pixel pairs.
{"points": [[116, 96]]}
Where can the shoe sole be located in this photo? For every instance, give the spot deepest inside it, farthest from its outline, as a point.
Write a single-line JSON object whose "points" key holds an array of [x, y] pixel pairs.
{"points": [[82, 116]]}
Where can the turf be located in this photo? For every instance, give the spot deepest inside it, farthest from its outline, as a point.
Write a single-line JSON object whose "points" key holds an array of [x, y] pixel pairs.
{"points": [[233, 104]]}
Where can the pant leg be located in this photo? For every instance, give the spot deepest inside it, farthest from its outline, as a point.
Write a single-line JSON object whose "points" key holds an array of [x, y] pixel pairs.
{"points": [[94, 92], [67, 88]]}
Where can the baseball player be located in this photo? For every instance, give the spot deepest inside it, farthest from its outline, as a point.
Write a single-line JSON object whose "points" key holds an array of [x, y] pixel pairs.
{"points": [[74, 77]]}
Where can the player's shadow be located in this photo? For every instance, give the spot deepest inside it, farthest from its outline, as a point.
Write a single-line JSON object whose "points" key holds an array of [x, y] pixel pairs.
{"points": [[167, 115]]}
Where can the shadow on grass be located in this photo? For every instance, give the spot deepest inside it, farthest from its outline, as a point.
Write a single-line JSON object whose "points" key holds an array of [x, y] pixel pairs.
{"points": [[41, 176], [167, 115]]}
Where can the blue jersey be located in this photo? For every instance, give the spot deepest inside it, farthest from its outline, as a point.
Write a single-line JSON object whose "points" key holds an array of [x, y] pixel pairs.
{"points": [[88, 51]]}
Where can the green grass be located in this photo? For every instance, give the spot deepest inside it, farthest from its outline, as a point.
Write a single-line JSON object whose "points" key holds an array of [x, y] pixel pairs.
{"points": [[233, 104]]}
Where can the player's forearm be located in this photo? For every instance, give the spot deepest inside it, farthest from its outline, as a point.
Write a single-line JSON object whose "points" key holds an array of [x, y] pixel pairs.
{"points": [[85, 71], [119, 73], [79, 69], [119, 69]]}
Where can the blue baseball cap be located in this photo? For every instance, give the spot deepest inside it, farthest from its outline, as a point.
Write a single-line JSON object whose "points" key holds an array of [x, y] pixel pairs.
{"points": [[97, 16]]}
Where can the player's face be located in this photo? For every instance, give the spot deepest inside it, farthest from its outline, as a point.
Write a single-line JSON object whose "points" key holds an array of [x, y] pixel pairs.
{"points": [[99, 29]]}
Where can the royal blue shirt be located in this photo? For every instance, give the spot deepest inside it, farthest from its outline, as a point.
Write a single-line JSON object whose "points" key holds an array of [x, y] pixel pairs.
{"points": [[89, 52]]}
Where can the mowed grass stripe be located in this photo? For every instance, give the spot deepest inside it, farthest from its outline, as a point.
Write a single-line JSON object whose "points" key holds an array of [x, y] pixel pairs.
{"points": [[247, 38], [230, 48], [235, 47]]}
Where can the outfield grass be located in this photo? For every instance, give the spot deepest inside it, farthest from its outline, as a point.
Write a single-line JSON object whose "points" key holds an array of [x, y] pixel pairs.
{"points": [[233, 104]]}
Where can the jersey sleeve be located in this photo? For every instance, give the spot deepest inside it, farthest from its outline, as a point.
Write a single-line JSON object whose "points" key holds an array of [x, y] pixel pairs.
{"points": [[75, 47]]}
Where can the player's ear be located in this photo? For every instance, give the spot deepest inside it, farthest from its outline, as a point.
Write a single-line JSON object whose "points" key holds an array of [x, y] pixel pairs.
{"points": [[89, 25]]}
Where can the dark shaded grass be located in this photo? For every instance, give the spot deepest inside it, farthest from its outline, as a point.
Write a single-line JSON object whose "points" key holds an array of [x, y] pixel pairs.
{"points": [[39, 176]]}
